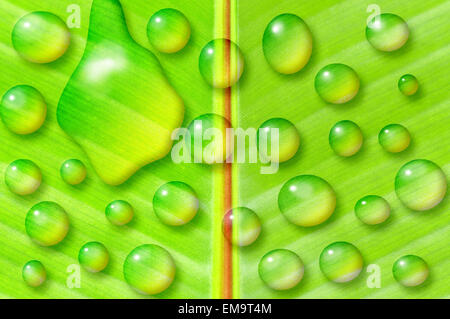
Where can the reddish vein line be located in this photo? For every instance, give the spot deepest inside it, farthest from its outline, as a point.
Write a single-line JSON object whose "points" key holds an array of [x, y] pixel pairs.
{"points": [[228, 256]]}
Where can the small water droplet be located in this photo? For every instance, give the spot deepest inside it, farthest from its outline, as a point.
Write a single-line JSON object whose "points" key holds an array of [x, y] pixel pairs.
{"points": [[288, 139], [410, 270], [345, 138], [281, 269], [93, 256], [210, 149], [287, 43], [420, 184], [387, 32], [221, 63], [394, 138], [150, 269], [40, 37], [307, 200], [23, 177], [408, 84], [372, 209], [23, 109], [50, 226], [168, 30], [341, 262], [119, 212], [34, 273], [73, 171], [175, 203], [241, 226], [337, 83]]}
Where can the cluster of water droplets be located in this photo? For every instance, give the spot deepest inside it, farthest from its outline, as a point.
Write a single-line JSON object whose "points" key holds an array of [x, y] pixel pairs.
{"points": [[304, 200]]}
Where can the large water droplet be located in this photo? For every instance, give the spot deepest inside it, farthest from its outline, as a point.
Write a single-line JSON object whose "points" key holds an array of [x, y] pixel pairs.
{"points": [[23, 109], [34, 273], [288, 139], [420, 184], [387, 32], [287, 43], [372, 209], [119, 212], [408, 84], [345, 138], [73, 171], [221, 63], [410, 270], [118, 104], [394, 138], [281, 269], [40, 37], [307, 200], [337, 83], [168, 30], [341, 262], [175, 203], [241, 226], [47, 223], [93, 256], [23, 177], [149, 269]]}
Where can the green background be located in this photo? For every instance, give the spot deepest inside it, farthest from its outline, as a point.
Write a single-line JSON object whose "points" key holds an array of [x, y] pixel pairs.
{"points": [[338, 29], [338, 33]]}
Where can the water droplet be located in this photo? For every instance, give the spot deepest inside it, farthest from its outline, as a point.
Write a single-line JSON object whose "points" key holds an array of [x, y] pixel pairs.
{"points": [[307, 200], [410, 270], [40, 37], [73, 171], [23, 177], [341, 262], [372, 209], [221, 63], [408, 84], [288, 139], [241, 226], [33, 273], [93, 256], [47, 223], [23, 109], [143, 108], [281, 269], [420, 184], [287, 43], [214, 148], [150, 269], [119, 212], [394, 138], [345, 138], [387, 32], [175, 203], [337, 83], [168, 30]]}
